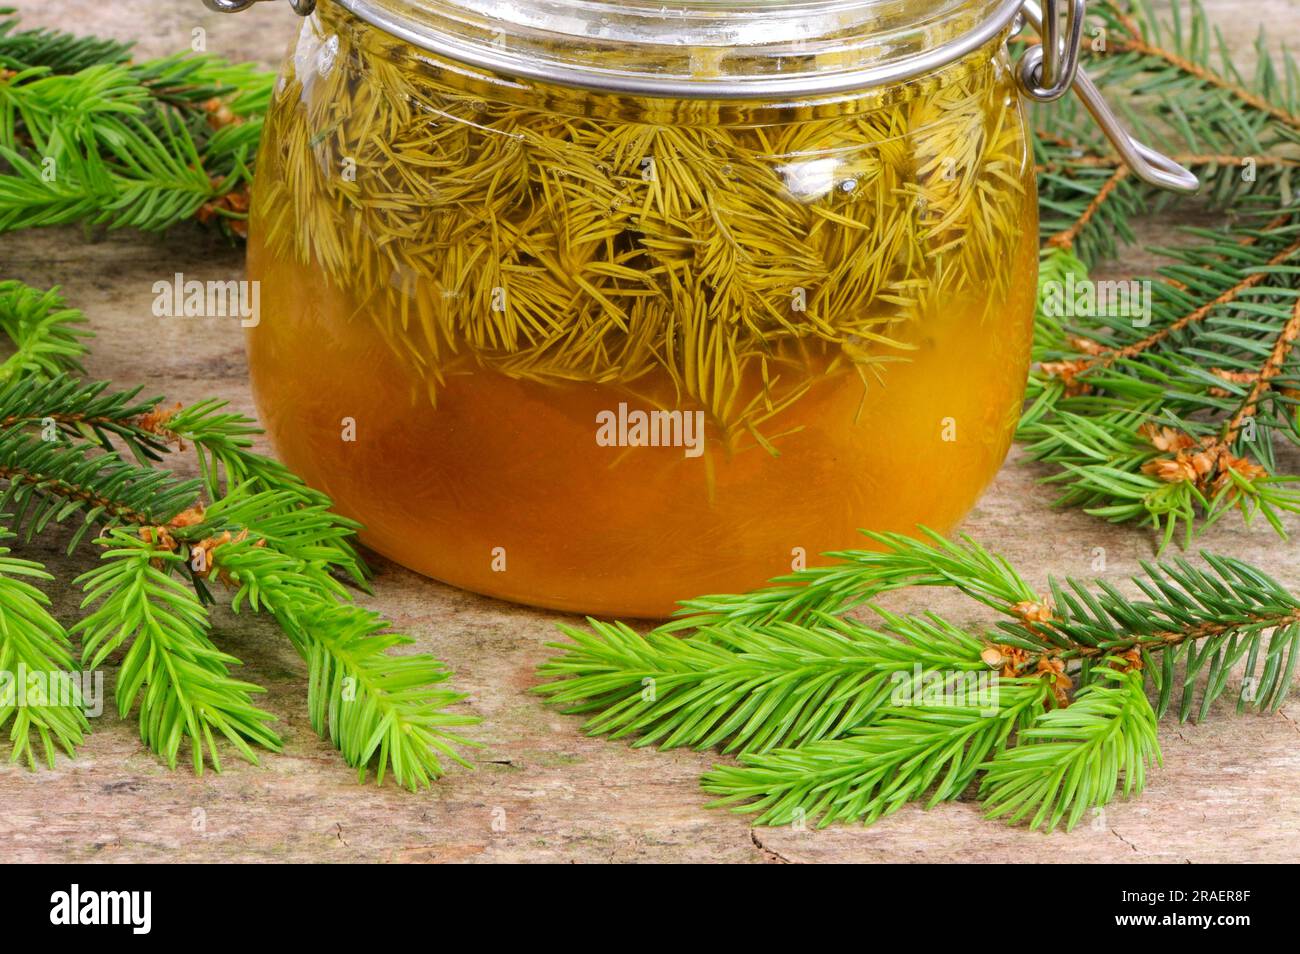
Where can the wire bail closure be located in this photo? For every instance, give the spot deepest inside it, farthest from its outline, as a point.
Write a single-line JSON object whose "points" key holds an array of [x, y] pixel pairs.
{"points": [[301, 7], [1050, 69], [1048, 72], [1045, 73]]}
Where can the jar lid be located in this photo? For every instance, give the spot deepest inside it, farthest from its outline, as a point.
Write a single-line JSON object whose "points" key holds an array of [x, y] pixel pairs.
{"points": [[729, 49], [736, 49]]}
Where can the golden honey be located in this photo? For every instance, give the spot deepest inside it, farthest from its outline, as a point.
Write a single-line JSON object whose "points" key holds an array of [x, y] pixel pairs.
{"points": [[600, 353]]}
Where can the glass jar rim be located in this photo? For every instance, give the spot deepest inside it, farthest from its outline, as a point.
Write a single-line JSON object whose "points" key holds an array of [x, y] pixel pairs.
{"points": [[717, 49]]}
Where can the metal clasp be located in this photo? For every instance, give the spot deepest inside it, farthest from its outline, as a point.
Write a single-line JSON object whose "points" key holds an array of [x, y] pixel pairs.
{"points": [[1047, 72], [301, 7], [1052, 67]]}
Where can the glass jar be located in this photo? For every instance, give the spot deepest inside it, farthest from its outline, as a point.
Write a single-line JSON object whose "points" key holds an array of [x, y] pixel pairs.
{"points": [[598, 306]]}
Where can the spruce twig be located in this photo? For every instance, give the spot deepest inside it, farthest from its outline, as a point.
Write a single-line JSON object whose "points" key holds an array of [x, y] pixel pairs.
{"points": [[180, 680], [905, 754], [89, 136], [82, 453], [1070, 760], [32, 641], [837, 719], [46, 334]]}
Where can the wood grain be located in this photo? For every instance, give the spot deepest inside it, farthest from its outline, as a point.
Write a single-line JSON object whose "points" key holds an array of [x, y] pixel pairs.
{"points": [[1229, 789]]}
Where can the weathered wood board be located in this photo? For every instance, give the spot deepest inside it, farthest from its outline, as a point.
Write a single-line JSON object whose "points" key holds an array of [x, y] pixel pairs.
{"points": [[1229, 789]]}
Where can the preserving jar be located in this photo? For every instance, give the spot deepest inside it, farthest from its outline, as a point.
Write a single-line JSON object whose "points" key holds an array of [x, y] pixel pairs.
{"points": [[599, 305]]}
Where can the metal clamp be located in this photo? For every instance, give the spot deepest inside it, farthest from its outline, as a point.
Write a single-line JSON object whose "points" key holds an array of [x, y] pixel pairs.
{"points": [[301, 7], [1046, 66], [1047, 72]]}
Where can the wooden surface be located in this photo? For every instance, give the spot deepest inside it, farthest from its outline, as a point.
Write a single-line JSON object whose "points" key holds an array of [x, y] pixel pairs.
{"points": [[541, 791]]}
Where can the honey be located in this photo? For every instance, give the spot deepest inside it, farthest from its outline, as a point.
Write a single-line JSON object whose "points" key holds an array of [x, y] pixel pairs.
{"points": [[600, 353]]}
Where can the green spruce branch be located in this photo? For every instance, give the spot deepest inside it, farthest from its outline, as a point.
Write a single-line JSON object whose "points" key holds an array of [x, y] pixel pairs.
{"points": [[85, 456], [57, 51], [907, 754], [170, 668], [834, 719], [47, 335], [89, 136], [33, 641], [1171, 416], [48, 482], [381, 710], [1069, 760], [746, 688]]}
